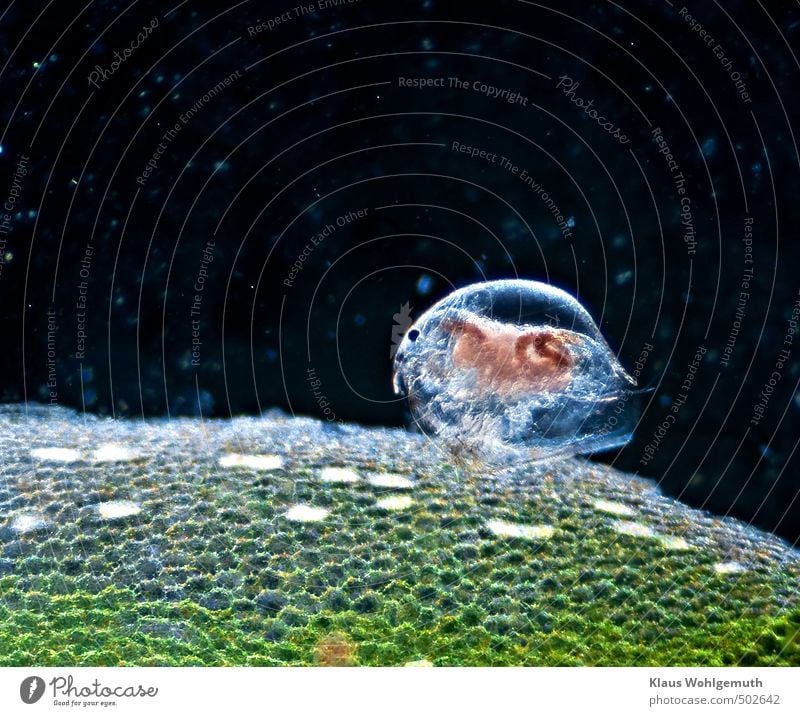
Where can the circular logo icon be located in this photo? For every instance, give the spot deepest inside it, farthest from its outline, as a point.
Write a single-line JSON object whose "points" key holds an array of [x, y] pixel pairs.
{"points": [[31, 689]]}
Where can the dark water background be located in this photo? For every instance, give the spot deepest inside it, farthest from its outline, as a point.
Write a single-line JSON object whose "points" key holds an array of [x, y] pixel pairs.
{"points": [[272, 143]]}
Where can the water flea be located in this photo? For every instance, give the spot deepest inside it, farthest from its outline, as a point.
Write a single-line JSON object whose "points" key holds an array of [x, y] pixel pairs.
{"points": [[514, 371]]}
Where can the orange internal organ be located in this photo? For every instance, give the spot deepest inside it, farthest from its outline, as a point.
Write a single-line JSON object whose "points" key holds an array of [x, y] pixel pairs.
{"points": [[511, 361]]}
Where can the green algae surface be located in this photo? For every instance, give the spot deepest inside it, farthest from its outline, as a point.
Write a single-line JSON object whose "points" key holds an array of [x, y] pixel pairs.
{"points": [[192, 542]]}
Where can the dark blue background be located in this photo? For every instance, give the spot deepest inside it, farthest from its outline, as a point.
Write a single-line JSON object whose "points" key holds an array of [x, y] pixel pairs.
{"points": [[318, 127]]}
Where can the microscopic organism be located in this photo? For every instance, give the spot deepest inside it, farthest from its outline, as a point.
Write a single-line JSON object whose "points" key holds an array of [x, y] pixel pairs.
{"points": [[514, 370]]}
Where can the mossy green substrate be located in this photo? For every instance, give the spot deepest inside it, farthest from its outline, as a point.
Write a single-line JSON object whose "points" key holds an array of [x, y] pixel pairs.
{"points": [[211, 572], [116, 627]]}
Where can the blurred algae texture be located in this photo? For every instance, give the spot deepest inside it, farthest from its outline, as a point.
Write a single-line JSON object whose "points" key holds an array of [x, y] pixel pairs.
{"points": [[277, 540]]}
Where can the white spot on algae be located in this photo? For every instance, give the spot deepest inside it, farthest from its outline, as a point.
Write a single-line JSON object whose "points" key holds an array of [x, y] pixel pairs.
{"points": [[305, 513], [613, 508], [677, 544], [729, 568], [29, 522], [252, 462], [401, 502], [118, 509], [420, 662], [390, 480], [338, 474], [55, 454], [112, 453], [633, 529], [509, 529]]}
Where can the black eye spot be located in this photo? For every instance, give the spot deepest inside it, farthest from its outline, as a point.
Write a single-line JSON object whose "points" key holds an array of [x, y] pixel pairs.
{"points": [[413, 335]]}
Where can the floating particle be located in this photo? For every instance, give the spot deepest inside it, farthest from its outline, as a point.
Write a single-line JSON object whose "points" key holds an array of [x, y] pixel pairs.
{"points": [[390, 480], [55, 454], [118, 509], [305, 513], [613, 508], [28, 522], [709, 147], [401, 502], [338, 475], [424, 285], [512, 371], [509, 529], [252, 462], [623, 277]]}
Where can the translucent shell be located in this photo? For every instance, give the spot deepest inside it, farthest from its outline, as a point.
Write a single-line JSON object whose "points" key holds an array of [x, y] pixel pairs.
{"points": [[514, 370]]}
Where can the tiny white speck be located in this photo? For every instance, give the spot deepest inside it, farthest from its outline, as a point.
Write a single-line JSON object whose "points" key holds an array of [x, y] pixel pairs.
{"points": [[633, 529], [420, 662], [613, 508], [390, 480], [112, 453], [56, 454], [729, 568], [338, 474], [401, 502], [305, 513], [509, 529], [117, 509], [28, 523], [253, 462]]}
